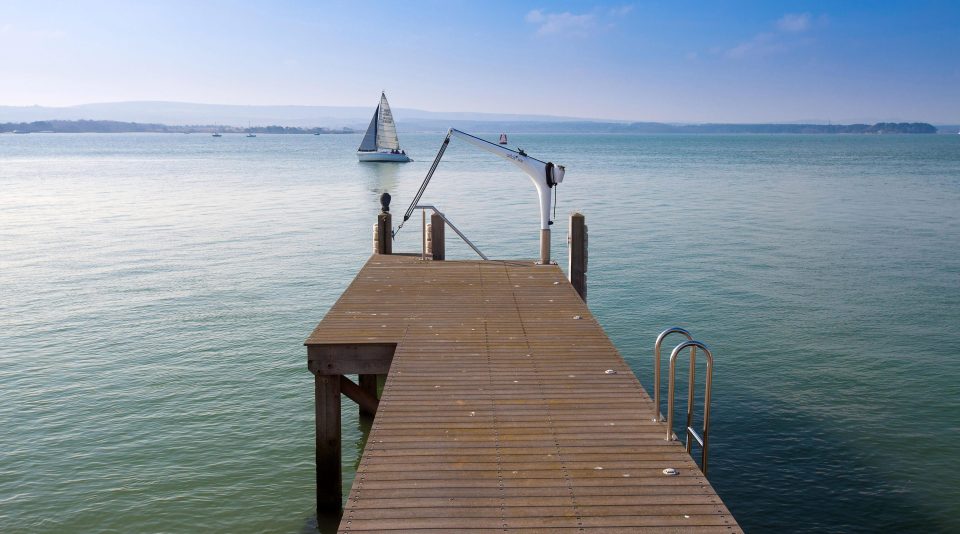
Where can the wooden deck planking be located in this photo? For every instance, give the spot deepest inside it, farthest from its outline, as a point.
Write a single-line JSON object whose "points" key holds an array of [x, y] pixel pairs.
{"points": [[497, 414]]}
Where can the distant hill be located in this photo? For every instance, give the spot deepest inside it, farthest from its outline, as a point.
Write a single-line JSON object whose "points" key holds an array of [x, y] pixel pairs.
{"points": [[100, 126], [299, 116], [408, 120], [588, 127], [89, 126]]}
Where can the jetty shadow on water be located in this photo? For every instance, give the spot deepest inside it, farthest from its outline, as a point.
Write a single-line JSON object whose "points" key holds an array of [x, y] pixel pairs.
{"points": [[842, 493]]}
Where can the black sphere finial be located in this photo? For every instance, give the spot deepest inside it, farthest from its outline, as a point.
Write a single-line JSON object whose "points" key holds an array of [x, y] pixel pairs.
{"points": [[385, 202]]}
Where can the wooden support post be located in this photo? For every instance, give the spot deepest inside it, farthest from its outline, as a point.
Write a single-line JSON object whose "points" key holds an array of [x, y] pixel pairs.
{"points": [[437, 227], [329, 472], [368, 383], [368, 403], [384, 233], [328, 363], [578, 254]]}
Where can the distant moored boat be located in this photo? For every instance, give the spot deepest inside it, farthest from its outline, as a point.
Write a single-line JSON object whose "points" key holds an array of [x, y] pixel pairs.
{"points": [[503, 139], [217, 134]]}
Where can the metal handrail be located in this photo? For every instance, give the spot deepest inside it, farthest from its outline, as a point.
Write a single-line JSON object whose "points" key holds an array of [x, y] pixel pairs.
{"points": [[703, 440], [450, 224], [658, 416]]}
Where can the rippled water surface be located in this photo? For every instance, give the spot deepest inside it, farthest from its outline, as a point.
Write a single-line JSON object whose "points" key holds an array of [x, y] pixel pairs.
{"points": [[155, 292]]}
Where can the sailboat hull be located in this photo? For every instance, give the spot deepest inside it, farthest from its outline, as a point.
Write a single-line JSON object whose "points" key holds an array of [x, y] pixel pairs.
{"points": [[383, 156]]}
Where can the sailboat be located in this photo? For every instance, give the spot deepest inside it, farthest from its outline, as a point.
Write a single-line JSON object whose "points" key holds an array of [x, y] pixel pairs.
{"points": [[503, 139], [380, 143]]}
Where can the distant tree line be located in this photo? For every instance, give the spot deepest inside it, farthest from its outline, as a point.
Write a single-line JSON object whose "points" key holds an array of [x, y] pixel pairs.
{"points": [[595, 127], [902, 127], [879, 128], [91, 126]]}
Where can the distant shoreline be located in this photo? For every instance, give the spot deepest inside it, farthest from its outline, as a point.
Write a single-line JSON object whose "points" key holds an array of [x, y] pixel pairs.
{"points": [[96, 126], [581, 127]]}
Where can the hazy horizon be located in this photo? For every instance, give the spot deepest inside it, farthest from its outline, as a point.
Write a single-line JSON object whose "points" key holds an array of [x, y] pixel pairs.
{"points": [[286, 114], [676, 62]]}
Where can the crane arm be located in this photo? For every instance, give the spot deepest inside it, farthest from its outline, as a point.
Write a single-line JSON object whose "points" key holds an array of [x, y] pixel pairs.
{"points": [[544, 175]]}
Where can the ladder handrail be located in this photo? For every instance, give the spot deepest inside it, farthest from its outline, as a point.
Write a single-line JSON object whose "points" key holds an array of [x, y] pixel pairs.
{"points": [[704, 439], [658, 415], [450, 224]]}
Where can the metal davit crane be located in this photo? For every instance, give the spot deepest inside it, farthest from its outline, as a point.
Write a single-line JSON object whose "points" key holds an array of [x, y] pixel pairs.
{"points": [[544, 175]]}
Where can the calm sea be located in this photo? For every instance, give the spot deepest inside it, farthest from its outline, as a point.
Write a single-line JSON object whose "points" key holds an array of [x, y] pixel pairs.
{"points": [[155, 292]]}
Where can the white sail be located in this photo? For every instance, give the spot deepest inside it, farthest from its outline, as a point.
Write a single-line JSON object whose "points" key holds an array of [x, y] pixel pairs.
{"points": [[386, 129], [369, 143]]}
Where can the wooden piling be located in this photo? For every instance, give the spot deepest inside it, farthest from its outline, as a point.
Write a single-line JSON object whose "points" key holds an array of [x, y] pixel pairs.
{"points": [[437, 227], [329, 471], [578, 254], [368, 384], [361, 394], [384, 233]]}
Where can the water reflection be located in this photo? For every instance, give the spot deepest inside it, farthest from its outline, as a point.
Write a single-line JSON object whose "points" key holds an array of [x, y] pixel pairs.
{"points": [[379, 176]]}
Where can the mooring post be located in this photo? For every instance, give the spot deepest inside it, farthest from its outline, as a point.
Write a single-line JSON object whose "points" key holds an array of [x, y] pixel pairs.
{"points": [[329, 472], [437, 226], [384, 226], [578, 254]]}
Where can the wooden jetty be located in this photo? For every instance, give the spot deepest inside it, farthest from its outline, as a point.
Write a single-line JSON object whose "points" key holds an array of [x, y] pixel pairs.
{"points": [[506, 408]]}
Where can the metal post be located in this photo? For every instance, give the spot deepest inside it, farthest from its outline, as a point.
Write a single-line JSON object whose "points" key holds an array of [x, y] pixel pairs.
{"points": [[658, 416], [703, 440]]}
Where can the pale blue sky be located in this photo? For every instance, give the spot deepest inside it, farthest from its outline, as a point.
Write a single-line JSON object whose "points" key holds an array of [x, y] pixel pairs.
{"points": [[738, 61]]}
